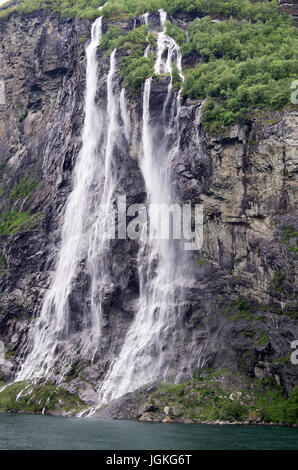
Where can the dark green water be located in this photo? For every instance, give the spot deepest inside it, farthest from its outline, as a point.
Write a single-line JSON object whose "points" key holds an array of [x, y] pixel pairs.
{"points": [[43, 432]]}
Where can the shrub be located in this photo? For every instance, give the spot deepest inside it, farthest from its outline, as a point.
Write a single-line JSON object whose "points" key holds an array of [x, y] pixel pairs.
{"points": [[24, 188], [134, 68], [244, 66], [13, 221]]}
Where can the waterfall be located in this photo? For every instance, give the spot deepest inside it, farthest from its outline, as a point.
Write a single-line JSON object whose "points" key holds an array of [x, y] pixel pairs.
{"points": [[52, 326], [102, 229], [88, 229], [146, 353], [124, 115], [174, 56], [146, 22], [146, 19]]}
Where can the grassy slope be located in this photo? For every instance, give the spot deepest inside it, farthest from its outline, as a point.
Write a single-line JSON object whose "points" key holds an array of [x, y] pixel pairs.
{"points": [[224, 396], [37, 398]]}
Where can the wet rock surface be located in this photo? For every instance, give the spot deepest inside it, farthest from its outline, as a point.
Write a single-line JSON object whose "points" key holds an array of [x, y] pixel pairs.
{"points": [[240, 313]]}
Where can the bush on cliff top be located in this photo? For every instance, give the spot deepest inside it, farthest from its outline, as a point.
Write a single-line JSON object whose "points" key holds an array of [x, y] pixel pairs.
{"points": [[239, 8], [67, 8], [116, 38], [130, 8], [134, 67], [246, 63], [243, 66]]}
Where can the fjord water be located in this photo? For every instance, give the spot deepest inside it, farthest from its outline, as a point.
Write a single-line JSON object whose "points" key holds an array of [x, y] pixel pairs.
{"points": [[45, 432]]}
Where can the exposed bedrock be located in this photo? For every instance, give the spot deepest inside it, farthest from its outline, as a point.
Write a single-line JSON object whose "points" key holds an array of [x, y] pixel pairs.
{"points": [[240, 310]]}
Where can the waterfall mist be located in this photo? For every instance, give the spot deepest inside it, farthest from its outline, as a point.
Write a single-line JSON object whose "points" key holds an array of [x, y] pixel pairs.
{"points": [[87, 231], [146, 353], [52, 325]]}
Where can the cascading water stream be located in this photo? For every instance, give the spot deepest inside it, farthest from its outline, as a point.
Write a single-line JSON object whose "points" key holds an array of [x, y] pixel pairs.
{"points": [[146, 23], [101, 231], [86, 235], [124, 115], [52, 326], [174, 56], [145, 355]]}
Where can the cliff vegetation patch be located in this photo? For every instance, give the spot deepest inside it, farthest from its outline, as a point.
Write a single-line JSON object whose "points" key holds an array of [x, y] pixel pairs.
{"points": [[244, 66], [209, 397], [246, 62], [37, 398]]}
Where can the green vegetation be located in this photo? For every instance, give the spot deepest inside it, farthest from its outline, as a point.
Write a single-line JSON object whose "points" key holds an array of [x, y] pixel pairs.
{"points": [[177, 82], [134, 41], [278, 282], [247, 62], [210, 396], [290, 310], [136, 70], [24, 188], [74, 370], [35, 398], [244, 67], [176, 33], [134, 67], [239, 8], [290, 238], [2, 378], [263, 338], [7, 11], [67, 8], [13, 222], [123, 9], [200, 261], [273, 405], [3, 263], [241, 311]]}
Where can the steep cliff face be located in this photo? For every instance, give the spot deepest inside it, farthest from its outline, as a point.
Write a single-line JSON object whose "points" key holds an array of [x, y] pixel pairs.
{"points": [[42, 68], [240, 310]]}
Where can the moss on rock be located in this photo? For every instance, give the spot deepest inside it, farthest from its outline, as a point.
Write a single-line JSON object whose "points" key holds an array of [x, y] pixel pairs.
{"points": [[39, 398], [224, 396]]}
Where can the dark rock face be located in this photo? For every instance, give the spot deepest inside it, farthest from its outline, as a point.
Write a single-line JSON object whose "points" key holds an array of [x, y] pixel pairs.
{"points": [[43, 69], [290, 7], [240, 312]]}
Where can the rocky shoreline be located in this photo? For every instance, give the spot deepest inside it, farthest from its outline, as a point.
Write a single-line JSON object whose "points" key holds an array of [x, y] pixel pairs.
{"points": [[216, 397], [166, 420]]}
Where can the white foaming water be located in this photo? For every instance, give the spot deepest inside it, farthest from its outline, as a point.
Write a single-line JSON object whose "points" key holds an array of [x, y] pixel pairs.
{"points": [[124, 115], [147, 50], [145, 355], [102, 229], [52, 325], [146, 18], [168, 44], [146, 22], [100, 8], [86, 234]]}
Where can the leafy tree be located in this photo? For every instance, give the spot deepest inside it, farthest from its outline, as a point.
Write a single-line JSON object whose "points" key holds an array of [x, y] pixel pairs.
{"points": [[243, 66], [134, 67]]}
